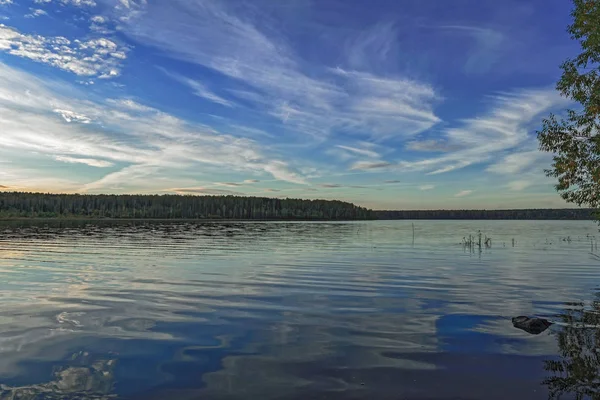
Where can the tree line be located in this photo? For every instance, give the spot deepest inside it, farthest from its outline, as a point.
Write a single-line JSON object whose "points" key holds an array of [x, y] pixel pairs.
{"points": [[38, 205], [533, 214]]}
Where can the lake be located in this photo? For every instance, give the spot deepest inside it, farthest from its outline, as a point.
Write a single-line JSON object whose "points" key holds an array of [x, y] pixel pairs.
{"points": [[251, 310]]}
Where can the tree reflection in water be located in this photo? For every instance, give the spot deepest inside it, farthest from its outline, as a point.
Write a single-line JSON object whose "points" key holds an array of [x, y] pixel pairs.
{"points": [[83, 380], [578, 371]]}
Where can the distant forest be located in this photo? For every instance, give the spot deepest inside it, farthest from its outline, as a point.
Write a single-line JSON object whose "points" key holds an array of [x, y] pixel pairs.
{"points": [[539, 214], [39, 205]]}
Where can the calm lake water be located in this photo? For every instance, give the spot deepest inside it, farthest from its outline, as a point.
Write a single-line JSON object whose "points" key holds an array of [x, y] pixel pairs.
{"points": [[275, 310]]}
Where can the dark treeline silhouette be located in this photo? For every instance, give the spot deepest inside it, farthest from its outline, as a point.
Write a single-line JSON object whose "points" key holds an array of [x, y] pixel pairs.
{"points": [[41, 205], [38, 205], [540, 214]]}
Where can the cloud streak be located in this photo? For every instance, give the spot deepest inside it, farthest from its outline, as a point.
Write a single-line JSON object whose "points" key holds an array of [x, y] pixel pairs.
{"points": [[87, 161], [370, 165], [199, 89], [205, 191]]}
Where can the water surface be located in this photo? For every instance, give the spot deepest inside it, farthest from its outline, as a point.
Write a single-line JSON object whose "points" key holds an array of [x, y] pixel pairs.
{"points": [[141, 310]]}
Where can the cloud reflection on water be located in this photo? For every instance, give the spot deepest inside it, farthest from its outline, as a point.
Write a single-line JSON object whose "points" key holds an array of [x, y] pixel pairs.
{"points": [[285, 309]]}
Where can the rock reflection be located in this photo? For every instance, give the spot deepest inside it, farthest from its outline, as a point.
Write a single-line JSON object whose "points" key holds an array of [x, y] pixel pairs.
{"points": [[577, 373], [83, 379], [534, 326]]}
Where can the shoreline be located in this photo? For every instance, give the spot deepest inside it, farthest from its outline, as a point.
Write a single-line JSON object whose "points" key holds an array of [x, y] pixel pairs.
{"points": [[92, 219]]}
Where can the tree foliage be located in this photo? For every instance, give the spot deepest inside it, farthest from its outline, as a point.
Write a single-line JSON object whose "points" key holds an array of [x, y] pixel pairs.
{"points": [[575, 138], [31, 205]]}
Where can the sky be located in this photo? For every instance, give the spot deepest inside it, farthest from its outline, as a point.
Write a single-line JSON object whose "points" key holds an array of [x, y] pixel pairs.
{"points": [[389, 104]]}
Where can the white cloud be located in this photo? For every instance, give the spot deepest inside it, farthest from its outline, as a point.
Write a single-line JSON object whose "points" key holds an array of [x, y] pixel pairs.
{"points": [[426, 187], [97, 57], [79, 3], [199, 89], [75, 3], [463, 193], [98, 19], [38, 121], [88, 161], [35, 13], [71, 116], [5, 2]]}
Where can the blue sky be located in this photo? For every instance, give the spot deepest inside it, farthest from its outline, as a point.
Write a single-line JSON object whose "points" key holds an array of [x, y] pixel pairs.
{"points": [[397, 104]]}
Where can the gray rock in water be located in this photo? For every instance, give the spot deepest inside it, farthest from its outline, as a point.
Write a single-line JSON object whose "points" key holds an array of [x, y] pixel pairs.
{"points": [[535, 326]]}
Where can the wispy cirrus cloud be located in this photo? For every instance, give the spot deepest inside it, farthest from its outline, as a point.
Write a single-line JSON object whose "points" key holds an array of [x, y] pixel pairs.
{"points": [[431, 145], [426, 187], [357, 102], [486, 48], [199, 89], [482, 139], [40, 121]]}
